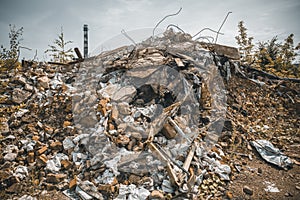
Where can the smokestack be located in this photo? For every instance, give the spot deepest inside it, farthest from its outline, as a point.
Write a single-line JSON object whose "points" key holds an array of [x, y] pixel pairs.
{"points": [[85, 41]]}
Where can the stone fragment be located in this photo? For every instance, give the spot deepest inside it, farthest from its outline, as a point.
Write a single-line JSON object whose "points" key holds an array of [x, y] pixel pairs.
{"points": [[4, 127], [123, 140], [55, 178], [168, 131], [42, 150], [10, 156], [57, 145], [73, 183], [124, 108], [247, 190], [30, 157], [44, 82], [19, 95], [28, 87], [114, 112], [66, 164], [156, 194], [68, 143], [20, 79], [42, 159], [66, 124], [89, 188], [124, 94], [179, 62]]}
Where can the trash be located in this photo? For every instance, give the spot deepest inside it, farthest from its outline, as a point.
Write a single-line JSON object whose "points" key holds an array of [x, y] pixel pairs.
{"points": [[21, 172], [89, 188], [131, 192], [270, 187], [271, 154], [139, 122]]}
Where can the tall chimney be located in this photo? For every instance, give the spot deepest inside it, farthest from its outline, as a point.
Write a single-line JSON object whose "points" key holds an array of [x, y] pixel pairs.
{"points": [[85, 41]]}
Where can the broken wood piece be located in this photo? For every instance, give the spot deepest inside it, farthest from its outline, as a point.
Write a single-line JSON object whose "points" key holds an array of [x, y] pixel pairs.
{"points": [[77, 51], [178, 129], [179, 62], [173, 176], [189, 158]]}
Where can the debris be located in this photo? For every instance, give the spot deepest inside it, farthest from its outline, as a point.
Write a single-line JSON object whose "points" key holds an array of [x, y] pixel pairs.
{"points": [[142, 121], [270, 187], [271, 154], [247, 190]]}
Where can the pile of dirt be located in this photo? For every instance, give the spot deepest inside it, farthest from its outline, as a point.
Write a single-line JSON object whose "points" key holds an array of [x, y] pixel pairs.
{"points": [[167, 118]]}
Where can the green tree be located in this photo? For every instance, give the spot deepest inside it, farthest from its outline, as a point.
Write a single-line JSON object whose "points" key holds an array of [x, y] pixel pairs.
{"points": [[245, 44], [58, 51], [287, 52], [267, 54], [9, 56]]}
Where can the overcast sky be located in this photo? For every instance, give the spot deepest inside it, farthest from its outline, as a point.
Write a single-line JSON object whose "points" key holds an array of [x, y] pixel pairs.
{"points": [[42, 20]]}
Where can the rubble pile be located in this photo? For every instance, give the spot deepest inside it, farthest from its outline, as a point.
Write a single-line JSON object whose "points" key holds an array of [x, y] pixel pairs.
{"points": [[150, 120]]}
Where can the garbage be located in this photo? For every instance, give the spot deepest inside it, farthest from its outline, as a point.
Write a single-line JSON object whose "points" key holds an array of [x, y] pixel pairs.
{"points": [[272, 154], [141, 121], [270, 187], [131, 192]]}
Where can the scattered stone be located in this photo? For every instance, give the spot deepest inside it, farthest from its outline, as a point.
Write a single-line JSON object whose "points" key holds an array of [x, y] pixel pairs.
{"points": [[73, 183], [42, 150], [30, 157], [4, 127], [44, 82], [10, 156], [124, 94], [55, 178], [42, 159], [169, 131], [66, 164], [247, 190], [157, 194], [57, 145], [19, 96]]}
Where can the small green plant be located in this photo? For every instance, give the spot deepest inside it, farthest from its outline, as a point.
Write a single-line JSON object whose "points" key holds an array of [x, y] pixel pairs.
{"points": [[270, 56], [9, 56], [245, 44], [58, 51]]}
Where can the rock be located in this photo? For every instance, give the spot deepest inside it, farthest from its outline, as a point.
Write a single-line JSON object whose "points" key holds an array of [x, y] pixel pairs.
{"points": [[4, 127], [229, 194], [19, 95], [28, 87], [90, 189], [156, 194], [124, 94], [68, 143], [10, 156], [73, 183], [66, 124], [123, 140], [247, 190], [44, 82], [297, 187], [124, 108], [57, 145], [20, 79], [42, 150], [169, 131], [109, 91], [30, 157], [42, 159], [114, 112], [55, 178], [66, 164]]}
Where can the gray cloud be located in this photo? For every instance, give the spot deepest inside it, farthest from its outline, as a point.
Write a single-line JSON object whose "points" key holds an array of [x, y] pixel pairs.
{"points": [[42, 19]]}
